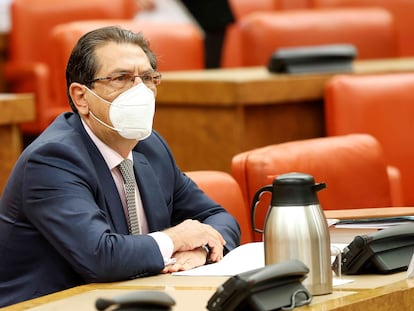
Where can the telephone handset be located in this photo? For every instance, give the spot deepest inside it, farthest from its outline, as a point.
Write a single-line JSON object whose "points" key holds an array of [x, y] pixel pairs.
{"points": [[137, 301], [384, 251], [273, 287]]}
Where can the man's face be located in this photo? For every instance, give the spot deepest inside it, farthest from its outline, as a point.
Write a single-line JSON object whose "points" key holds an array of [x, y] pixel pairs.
{"points": [[114, 59]]}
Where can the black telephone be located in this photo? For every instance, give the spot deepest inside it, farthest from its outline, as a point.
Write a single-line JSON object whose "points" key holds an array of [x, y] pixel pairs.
{"points": [[137, 301], [273, 287], [322, 58], [384, 251]]}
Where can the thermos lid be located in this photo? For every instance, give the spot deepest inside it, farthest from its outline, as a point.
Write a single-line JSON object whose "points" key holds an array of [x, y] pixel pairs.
{"points": [[295, 189]]}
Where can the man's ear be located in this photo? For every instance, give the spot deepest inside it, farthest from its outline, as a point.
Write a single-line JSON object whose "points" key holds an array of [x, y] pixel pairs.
{"points": [[78, 92]]}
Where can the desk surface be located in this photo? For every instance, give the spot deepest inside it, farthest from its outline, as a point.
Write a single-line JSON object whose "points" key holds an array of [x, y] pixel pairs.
{"points": [[191, 293], [369, 213], [16, 108], [394, 293], [256, 85]]}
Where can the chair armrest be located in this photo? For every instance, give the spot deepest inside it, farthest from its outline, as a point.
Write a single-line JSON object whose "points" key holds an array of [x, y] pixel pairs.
{"points": [[33, 77], [394, 176], [20, 71]]}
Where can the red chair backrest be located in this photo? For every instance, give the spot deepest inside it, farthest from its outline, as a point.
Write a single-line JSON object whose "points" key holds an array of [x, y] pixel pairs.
{"points": [[402, 10], [254, 38], [382, 106], [30, 51], [177, 46], [352, 166], [222, 188]]}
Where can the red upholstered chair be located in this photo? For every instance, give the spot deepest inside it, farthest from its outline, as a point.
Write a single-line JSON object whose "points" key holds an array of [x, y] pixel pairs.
{"points": [[402, 10], [252, 40], [380, 105], [352, 166], [30, 52], [242, 8], [223, 189], [177, 46]]}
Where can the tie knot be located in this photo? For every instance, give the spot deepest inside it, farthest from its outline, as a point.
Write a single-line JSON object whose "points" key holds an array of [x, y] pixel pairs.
{"points": [[127, 170]]}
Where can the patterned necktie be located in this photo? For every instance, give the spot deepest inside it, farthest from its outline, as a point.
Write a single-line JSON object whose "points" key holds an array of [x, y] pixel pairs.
{"points": [[127, 171]]}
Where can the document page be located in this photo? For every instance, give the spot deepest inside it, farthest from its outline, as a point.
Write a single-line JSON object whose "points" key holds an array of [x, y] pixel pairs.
{"points": [[243, 258]]}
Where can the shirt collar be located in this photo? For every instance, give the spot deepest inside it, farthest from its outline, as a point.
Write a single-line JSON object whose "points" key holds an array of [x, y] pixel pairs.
{"points": [[111, 157]]}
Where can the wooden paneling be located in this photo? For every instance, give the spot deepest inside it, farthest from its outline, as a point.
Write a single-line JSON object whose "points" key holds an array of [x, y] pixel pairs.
{"points": [[208, 116], [14, 109]]}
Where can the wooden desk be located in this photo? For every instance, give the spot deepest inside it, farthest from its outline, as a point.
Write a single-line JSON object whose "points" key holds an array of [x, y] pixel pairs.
{"points": [[395, 294], [209, 116], [367, 292], [14, 110], [361, 213], [346, 235]]}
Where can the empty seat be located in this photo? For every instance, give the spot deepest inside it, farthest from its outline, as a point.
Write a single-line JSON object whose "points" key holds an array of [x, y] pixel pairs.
{"points": [[402, 11], [252, 40], [353, 167], [382, 106], [223, 189]]}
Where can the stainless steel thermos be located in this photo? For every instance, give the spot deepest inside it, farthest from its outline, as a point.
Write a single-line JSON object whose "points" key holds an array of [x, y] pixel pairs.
{"points": [[295, 228]]}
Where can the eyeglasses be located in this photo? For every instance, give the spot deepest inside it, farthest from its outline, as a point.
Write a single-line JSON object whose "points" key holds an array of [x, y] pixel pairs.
{"points": [[126, 80]]}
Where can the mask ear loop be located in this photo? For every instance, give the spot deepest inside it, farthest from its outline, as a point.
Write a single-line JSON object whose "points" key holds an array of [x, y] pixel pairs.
{"points": [[97, 96]]}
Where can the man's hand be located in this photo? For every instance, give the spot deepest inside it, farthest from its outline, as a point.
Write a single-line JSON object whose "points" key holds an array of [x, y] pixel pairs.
{"points": [[187, 260], [192, 234]]}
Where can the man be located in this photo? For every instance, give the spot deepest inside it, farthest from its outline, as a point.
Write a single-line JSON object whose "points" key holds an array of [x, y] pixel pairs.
{"points": [[64, 214]]}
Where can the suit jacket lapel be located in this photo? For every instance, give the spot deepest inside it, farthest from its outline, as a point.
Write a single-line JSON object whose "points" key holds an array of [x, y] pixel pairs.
{"points": [[113, 204], [157, 214]]}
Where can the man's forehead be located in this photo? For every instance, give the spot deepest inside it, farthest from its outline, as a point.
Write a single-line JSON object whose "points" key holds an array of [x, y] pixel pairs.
{"points": [[112, 55], [108, 49]]}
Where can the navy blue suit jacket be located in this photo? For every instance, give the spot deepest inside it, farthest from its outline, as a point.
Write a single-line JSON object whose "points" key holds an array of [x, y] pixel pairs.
{"points": [[61, 219]]}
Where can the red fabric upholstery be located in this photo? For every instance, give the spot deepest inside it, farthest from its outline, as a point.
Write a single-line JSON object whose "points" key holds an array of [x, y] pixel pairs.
{"points": [[402, 10], [223, 189], [252, 40], [30, 52], [242, 8], [380, 105], [177, 46], [353, 167]]}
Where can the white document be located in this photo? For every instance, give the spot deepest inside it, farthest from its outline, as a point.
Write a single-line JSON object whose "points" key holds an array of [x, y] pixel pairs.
{"points": [[244, 258]]}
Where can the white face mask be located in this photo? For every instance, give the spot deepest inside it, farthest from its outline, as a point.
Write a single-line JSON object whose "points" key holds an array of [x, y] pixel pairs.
{"points": [[131, 113]]}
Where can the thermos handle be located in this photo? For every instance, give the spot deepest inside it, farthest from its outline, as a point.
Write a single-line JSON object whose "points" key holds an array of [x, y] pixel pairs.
{"points": [[319, 186], [256, 200]]}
